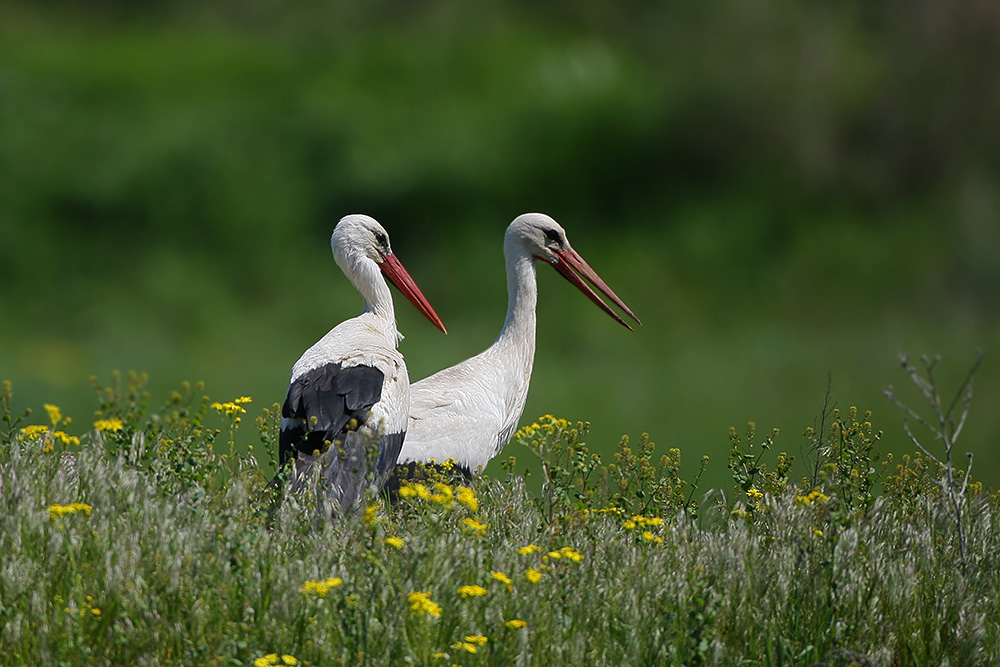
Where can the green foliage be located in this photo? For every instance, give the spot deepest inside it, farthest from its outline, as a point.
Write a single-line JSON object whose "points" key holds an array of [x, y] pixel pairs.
{"points": [[915, 480], [575, 479], [746, 465], [673, 142], [845, 463], [113, 553]]}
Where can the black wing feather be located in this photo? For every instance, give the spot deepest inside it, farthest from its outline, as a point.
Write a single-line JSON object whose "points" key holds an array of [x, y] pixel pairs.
{"points": [[319, 410]]}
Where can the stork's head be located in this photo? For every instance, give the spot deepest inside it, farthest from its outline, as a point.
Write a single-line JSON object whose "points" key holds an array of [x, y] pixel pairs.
{"points": [[543, 238], [359, 239]]}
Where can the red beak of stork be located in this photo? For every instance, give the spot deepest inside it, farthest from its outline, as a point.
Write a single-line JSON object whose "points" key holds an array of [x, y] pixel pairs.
{"points": [[572, 266], [394, 271]]}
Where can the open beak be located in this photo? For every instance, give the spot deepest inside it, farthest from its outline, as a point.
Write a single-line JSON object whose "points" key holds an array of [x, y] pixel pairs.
{"points": [[394, 271], [572, 266]]}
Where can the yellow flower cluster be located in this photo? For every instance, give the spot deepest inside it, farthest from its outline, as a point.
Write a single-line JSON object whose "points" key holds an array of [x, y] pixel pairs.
{"points": [[36, 432], [55, 415], [65, 439], [467, 497], [272, 659], [371, 515], [86, 609], [533, 575], [414, 490], [232, 408], [471, 643], [421, 603], [472, 591], [754, 494], [476, 528], [529, 549], [57, 510], [503, 579], [515, 624], [440, 493], [638, 521], [813, 497], [546, 424], [568, 553], [443, 495], [114, 424], [395, 542], [321, 587]]}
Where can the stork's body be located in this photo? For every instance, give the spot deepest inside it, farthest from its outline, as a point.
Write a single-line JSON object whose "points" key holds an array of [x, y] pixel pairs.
{"points": [[348, 396], [470, 411]]}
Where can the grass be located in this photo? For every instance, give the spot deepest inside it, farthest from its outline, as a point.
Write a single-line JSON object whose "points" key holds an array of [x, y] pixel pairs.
{"points": [[145, 540]]}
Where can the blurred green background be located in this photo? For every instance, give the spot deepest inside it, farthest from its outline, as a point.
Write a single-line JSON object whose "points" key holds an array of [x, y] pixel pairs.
{"points": [[784, 193]]}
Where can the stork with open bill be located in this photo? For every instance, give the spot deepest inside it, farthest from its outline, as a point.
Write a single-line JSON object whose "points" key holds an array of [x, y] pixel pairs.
{"points": [[468, 412]]}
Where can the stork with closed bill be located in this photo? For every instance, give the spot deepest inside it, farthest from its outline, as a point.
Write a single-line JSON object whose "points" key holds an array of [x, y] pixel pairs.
{"points": [[348, 398]]}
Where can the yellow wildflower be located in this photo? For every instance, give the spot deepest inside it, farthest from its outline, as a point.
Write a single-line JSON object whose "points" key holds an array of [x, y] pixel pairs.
{"points": [[58, 510], [114, 424], [468, 647], [467, 497], [414, 489], [533, 575], [66, 439], [321, 587], [639, 521], [443, 494], [754, 494], [503, 579], [34, 431], [421, 603], [516, 624], [814, 496], [478, 529], [471, 591], [272, 660], [478, 640], [529, 549], [95, 611], [395, 542], [371, 518], [571, 553], [55, 416], [649, 537], [230, 409], [243, 400]]}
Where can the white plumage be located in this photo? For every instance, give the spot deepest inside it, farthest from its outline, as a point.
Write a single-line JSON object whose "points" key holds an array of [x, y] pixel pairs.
{"points": [[348, 397], [470, 411]]}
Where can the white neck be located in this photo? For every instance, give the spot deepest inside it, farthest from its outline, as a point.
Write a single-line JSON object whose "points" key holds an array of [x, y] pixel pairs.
{"points": [[522, 297], [366, 277]]}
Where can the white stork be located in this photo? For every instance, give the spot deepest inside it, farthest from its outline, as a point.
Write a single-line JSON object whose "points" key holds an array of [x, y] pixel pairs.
{"points": [[470, 411], [348, 398]]}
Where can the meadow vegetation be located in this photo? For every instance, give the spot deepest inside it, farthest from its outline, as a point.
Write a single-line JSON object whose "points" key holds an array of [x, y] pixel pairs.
{"points": [[141, 536]]}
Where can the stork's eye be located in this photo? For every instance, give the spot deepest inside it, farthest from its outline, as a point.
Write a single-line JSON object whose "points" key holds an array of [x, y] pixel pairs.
{"points": [[381, 239], [552, 236]]}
